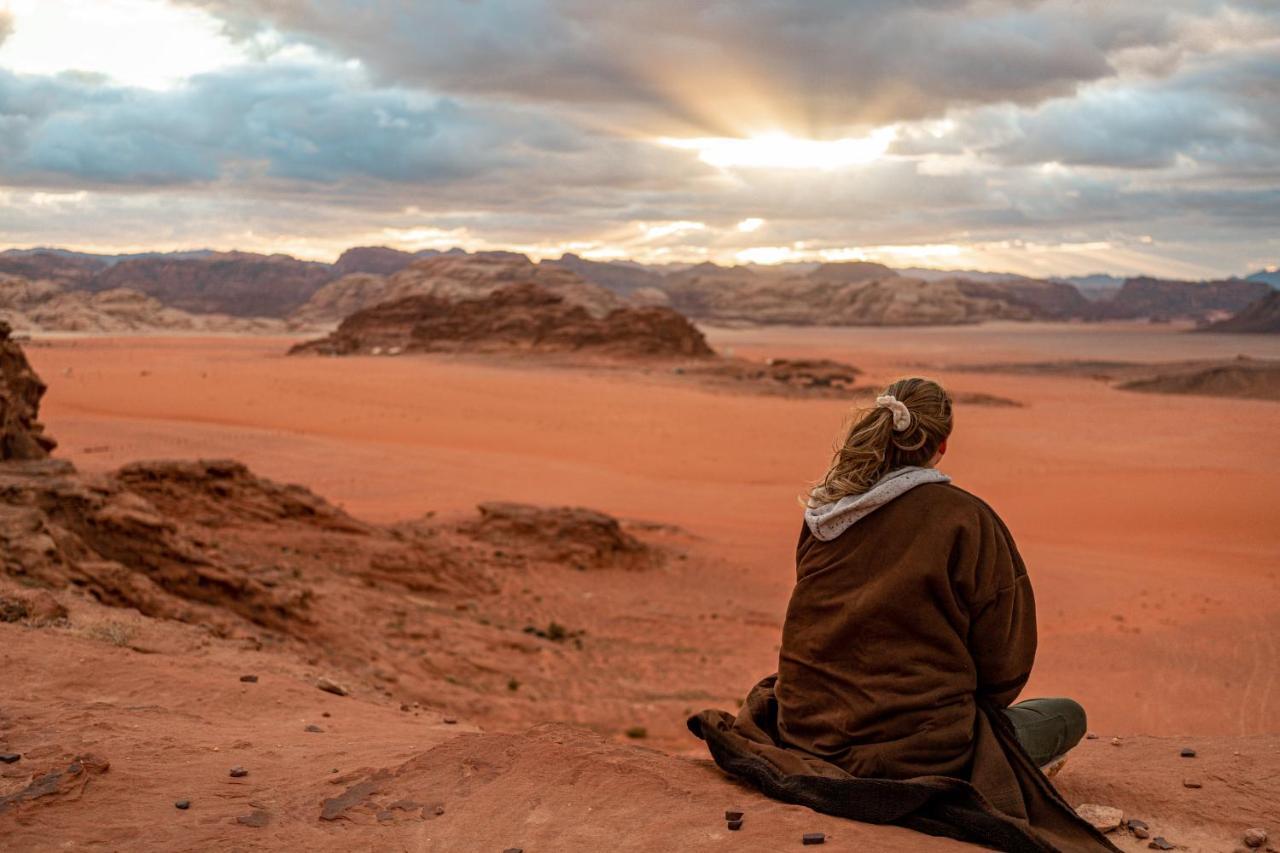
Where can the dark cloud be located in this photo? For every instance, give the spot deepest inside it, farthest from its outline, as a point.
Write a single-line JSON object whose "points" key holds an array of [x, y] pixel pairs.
{"points": [[813, 67]]}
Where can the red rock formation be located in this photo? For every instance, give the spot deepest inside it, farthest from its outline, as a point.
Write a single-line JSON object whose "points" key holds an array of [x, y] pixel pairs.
{"points": [[521, 318], [582, 538], [21, 433]]}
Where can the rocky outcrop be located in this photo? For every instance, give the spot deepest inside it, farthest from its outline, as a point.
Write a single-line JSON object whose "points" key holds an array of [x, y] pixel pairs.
{"points": [[520, 318], [237, 283], [573, 536], [452, 277], [624, 279], [1244, 379], [1162, 300], [45, 306], [1257, 318], [22, 436]]}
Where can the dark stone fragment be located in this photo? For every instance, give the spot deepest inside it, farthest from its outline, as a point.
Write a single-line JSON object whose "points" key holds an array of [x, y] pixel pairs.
{"points": [[257, 818], [182, 804], [1134, 823], [9, 757], [326, 714], [813, 838], [1159, 843], [439, 810], [514, 850], [1187, 752], [735, 825], [733, 814], [450, 721], [313, 728], [237, 772], [1139, 832], [249, 679], [1192, 783]]}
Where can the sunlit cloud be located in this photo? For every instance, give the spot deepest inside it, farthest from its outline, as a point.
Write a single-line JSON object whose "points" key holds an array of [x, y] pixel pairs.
{"points": [[751, 223], [148, 43], [782, 151]]}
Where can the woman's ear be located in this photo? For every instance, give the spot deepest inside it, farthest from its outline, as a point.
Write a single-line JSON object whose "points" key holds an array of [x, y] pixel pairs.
{"points": [[942, 448]]}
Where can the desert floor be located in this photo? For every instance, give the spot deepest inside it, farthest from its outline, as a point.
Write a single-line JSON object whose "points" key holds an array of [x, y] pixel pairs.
{"points": [[1148, 522]]}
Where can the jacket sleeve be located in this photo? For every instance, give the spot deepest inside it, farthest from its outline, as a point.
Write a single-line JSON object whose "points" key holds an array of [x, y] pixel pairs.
{"points": [[992, 582]]}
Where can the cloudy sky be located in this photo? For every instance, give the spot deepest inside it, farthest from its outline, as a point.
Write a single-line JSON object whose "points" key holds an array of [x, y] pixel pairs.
{"points": [[1038, 136]]}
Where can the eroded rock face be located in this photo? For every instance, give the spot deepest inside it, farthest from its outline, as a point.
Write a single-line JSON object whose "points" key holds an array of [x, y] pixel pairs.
{"points": [[520, 318], [582, 538], [22, 435]]}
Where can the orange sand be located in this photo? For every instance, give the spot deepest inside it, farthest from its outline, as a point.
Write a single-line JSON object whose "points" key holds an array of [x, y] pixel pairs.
{"points": [[1148, 522]]}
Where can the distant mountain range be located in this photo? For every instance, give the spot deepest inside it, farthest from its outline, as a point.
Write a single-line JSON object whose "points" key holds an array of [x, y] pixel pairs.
{"points": [[280, 287]]}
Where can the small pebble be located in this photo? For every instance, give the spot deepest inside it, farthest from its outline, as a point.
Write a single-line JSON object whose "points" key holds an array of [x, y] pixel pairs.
{"points": [[439, 810], [1091, 735], [1139, 828], [1115, 741], [514, 850], [237, 772], [1187, 752], [1159, 843], [182, 804], [1191, 783], [1255, 837], [735, 825], [9, 757], [733, 814], [404, 707], [328, 685], [313, 728], [450, 721], [813, 838], [326, 714], [249, 679]]}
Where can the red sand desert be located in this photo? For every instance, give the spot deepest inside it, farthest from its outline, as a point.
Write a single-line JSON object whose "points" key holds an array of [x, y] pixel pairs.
{"points": [[1148, 523]]}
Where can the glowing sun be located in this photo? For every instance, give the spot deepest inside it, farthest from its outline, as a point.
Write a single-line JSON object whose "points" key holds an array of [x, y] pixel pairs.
{"points": [[782, 151]]}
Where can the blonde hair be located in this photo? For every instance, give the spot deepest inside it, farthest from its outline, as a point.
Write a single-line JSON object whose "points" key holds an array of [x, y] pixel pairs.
{"points": [[872, 448]]}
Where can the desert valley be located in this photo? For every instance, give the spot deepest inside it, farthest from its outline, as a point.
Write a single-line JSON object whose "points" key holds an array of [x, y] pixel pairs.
{"points": [[534, 519]]}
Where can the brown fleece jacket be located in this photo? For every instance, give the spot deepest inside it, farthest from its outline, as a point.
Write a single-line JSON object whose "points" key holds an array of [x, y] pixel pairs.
{"points": [[904, 637]]}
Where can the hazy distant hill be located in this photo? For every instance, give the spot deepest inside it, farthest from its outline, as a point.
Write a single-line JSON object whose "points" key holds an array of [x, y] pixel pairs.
{"points": [[1097, 286], [623, 279], [451, 276], [1261, 317], [1161, 299], [241, 284], [1271, 277]]}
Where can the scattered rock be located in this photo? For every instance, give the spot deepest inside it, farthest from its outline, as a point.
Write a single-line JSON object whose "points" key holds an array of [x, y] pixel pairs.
{"points": [[330, 686], [450, 721], [439, 810], [1255, 837], [313, 728], [1091, 736], [1159, 843], [735, 825], [182, 804], [1102, 818], [733, 814], [9, 757], [69, 782], [256, 818], [1139, 828], [1187, 752], [1115, 741], [249, 679], [813, 838], [1192, 783], [514, 850], [238, 772]]}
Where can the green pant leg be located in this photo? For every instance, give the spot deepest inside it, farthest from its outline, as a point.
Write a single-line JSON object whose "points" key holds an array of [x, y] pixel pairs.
{"points": [[1047, 728]]}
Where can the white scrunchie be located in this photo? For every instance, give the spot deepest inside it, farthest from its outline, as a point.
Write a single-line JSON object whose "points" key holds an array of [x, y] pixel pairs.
{"points": [[901, 414]]}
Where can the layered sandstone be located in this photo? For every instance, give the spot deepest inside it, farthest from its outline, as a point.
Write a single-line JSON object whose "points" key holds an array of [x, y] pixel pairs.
{"points": [[520, 318]]}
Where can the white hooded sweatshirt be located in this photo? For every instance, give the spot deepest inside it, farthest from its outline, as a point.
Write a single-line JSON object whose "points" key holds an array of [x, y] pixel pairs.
{"points": [[827, 521]]}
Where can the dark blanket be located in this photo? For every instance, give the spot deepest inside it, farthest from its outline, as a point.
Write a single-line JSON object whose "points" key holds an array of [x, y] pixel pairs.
{"points": [[748, 747]]}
